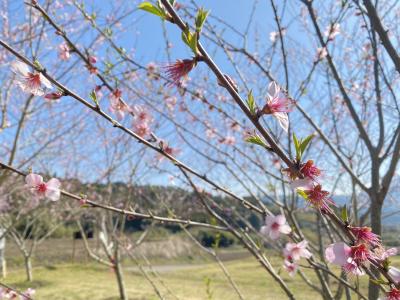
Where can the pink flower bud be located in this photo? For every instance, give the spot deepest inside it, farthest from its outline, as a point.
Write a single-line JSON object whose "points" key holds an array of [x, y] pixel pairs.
{"points": [[54, 96], [92, 59]]}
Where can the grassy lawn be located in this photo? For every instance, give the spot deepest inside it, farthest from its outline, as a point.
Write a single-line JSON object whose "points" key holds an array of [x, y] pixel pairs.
{"points": [[91, 281], [57, 276]]}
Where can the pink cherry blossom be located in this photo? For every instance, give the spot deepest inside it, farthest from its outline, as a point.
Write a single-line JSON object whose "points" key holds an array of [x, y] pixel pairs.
{"points": [[274, 226], [338, 253], [276, 163], [28, 294], [117, 106], [31, 82], [351, 267], [332, 31], [41, 189], [152, 71], [274, 35], [295, 251], [360, 254], [211, 133], [290, 267], [303, 184], [171, 151], [228, 140], [319, 198], [168, 150], [141, 114], [171, 102], [10, 294], [393, 294], [387, 253], [64, 51], [341, 254], [394, 273], [310, 170], [321, 53], [365, 235], [278, 104], [179, 70], [142, 129]]}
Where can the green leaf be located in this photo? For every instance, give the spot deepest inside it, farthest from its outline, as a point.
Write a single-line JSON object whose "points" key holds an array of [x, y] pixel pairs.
{"points": [[302, 194], [93, 96], [200, 18], [344, 215], [149, 7], [305, 142], [251, 103], [255, 139], [190, 39], [297, 147], [301, 145]]}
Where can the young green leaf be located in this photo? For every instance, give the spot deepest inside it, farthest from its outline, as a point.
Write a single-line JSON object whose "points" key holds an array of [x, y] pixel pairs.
{"points": [[251, 103], [190, 39], [297, 147], [302, 194], [200, 18], [256, 139], [93, 96], [149, 7], [305, 142]]}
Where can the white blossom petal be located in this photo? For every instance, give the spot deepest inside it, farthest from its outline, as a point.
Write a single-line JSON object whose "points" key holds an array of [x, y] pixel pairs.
{"points": [[283, 120], [33, 180]]}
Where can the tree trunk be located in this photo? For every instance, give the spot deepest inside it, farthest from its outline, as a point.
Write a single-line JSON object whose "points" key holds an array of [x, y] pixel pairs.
{"points": [[119, 274], [28, 268], [376, 225]]}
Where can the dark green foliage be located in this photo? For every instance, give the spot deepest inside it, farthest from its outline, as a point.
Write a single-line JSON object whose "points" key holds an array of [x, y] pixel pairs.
{"points": [[210, 239]]}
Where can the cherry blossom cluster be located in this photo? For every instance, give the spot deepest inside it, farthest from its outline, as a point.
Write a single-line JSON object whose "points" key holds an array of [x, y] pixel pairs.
{"points": [[367, 249], [306, 183], [293, 252], [117, 106], [275, 226], [33, 82], [11, 294]]}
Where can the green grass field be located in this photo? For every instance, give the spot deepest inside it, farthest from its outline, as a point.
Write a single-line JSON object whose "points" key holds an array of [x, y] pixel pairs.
{"points": [[92, 281], [185, 276]]}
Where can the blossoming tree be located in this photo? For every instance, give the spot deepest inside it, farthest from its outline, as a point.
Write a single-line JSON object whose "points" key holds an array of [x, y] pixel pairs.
{"points": [[244, 131]]}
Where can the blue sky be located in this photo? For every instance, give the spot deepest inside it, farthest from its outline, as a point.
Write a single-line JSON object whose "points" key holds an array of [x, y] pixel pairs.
{"points": [[144, 33], [151, 47]]}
